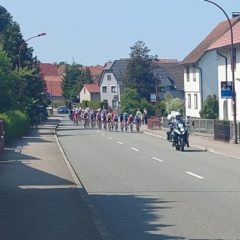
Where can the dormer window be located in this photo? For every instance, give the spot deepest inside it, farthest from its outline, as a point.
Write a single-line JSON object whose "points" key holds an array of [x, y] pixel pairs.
{"points": [[109, 77]]}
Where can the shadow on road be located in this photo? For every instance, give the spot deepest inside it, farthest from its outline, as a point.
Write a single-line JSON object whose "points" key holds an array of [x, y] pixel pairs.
{"points": [[133, 216]]}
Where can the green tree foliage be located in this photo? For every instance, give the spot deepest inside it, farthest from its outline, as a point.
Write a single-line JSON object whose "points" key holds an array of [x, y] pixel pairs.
{"points": [[71, 81], [74, 79], [139, 74], [173, 104], [26, 83], [130, 101], [210, 108], [7, 83], [11, 39]]}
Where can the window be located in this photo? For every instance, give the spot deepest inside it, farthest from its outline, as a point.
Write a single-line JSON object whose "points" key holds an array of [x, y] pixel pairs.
{"points": [[189, 100], [104, 89], [109, 77], [187, 73], [195, 101], [113, 89], [84, 90], [194, 74], [114, 104]]}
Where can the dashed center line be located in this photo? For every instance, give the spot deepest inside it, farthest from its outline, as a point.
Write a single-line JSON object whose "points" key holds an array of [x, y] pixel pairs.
{"points": [[110, 138], [134, 149], [103, 134], [195, 175], [119, 142], [157, 159]]}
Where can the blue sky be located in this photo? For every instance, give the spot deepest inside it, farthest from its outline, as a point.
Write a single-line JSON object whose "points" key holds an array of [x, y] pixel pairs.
{"points": [[92, 32]]}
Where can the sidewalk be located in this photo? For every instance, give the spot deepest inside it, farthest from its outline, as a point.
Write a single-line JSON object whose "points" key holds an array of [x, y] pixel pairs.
{"points": [[202, 142], [39, 198]]}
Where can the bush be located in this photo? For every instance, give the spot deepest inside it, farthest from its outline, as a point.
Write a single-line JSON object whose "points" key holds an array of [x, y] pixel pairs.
{"points": [[16, 124]]}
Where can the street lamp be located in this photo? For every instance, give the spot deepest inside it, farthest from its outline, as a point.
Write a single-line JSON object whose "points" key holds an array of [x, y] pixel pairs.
{"points": [[232, 69], [24, 42]]}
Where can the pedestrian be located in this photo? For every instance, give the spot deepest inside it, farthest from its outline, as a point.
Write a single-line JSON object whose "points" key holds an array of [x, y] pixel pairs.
{"points": [[145, 116]]}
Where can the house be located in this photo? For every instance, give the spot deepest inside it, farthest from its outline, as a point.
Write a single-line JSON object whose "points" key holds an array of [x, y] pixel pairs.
{"points": [[111, 82], [95, 71], [170, 77], [201, 70], [167, 72], [53, 76], [90, 92], [222, 48]]}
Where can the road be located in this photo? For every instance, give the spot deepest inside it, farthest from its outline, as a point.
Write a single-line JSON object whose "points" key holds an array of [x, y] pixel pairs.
{"points": [[142, 188]]}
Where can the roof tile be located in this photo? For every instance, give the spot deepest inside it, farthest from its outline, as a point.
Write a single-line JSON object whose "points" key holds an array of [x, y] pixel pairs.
{"points": [[213, 36]]}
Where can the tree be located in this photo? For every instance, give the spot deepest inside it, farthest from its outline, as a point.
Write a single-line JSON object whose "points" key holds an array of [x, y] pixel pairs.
{"points": [[172, 104], [130, 101], [27, 84], [210, 108], [74, 78], [7, 83], [71, 82], [11, 40], [139, 73]]}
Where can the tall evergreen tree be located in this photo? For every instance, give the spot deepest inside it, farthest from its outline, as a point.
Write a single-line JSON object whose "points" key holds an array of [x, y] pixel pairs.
{"points": [[7, 83], [28, 82], [71, 81], [139, 73]]}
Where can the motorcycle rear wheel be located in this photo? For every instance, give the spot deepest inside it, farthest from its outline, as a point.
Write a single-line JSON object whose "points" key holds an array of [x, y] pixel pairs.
{"points": [[181, 144]]}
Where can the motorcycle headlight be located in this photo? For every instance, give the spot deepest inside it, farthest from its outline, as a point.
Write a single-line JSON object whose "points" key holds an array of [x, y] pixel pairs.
{"points": [[181, 129]]}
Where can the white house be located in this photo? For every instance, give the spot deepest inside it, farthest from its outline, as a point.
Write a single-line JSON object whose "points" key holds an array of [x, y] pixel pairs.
{"points": [[90, 92], [222, 46], [110, 82], [201, 71]]}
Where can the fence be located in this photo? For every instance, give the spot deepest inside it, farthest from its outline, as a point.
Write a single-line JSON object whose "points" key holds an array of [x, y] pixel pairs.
{"points": [[154, 123], [201, 126], [209, 127]]}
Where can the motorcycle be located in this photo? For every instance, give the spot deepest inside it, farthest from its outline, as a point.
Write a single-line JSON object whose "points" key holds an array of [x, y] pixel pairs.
{"points": [[179, 136]]}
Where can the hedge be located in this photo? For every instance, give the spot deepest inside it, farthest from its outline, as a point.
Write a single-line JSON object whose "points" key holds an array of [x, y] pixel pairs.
{"points": [[16, 124]]}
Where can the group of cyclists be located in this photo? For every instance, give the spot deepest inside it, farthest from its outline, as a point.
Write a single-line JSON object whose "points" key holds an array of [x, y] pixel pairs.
{"points": [[107, 119]]}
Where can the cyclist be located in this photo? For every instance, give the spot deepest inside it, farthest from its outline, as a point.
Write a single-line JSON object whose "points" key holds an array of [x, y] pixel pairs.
{"points": [[125, 119], [130, 122]]}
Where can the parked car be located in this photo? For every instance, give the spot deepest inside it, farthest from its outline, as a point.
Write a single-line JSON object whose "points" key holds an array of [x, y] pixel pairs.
{"points": [[62, 110]]}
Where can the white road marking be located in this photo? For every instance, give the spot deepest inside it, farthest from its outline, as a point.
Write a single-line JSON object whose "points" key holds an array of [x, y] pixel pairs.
{"points": [[103, 134], [119, 142], [98, 131], [110, 138], [134, 149], [157, 159], [195, 175]]}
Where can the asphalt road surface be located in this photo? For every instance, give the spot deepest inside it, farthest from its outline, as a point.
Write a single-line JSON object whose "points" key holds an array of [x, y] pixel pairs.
{"points": [[142, 188]]}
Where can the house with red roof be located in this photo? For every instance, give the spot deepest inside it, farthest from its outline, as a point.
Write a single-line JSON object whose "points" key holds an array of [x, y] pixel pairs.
{"points": [[53, 76], [202, 71], [222, 47], [90, 92]]}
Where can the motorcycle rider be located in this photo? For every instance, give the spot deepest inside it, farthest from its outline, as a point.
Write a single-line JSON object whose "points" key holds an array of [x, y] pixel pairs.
{"points": [[174, 118]]}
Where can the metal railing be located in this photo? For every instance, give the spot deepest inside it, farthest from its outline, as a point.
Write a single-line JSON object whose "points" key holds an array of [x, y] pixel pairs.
{"points": [[196, 125]]}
